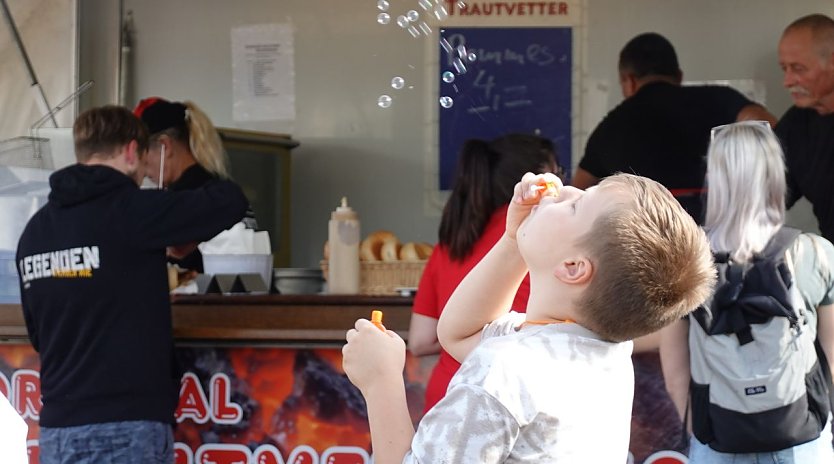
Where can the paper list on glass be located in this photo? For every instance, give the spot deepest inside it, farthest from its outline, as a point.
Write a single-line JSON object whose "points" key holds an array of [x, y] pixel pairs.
{"points": [[263, 73]]}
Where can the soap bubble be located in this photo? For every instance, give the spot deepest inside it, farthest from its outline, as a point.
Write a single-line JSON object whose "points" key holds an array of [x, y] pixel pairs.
{"points": [[397, 82], [425, 28], [413, 31], [472, 57], [426, 4], [448, 77], [446, 45], [384, 101], [440, 12], [402, 21], [461, 4], [459, 66], [412, 16], [383, 18], [446, 102], [382, 5]]}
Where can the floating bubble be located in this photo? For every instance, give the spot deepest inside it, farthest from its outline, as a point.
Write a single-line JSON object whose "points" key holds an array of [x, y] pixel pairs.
{"points": [[413, 31], [412, 15], [448, 77], [382, 5], [402, 21], [384, 101], [425, 28], [472, 57], [397, 82], [440, 12], [461, 51], [426, 4], [461, 4], [459, 66], [446, 102], [446, 45], [383, 18]]}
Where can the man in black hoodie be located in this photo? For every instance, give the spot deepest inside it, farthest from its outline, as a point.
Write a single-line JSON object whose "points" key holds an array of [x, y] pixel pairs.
{"points": [[95, 298]]}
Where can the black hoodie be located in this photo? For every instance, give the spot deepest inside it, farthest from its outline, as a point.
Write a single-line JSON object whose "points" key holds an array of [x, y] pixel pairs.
{"points": [[94, 290]]}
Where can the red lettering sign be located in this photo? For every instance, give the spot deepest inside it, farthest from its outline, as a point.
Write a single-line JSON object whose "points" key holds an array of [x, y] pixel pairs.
{"points": [[26, 388], [666, 457], [303, 455], [223, 410], [4, 387], [192, 404], [182, 454], [268, 454], [218, 453], [344, 455]]}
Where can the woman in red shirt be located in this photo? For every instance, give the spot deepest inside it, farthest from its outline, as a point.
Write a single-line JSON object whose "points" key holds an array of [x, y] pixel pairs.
{"points": [[473, 220]]}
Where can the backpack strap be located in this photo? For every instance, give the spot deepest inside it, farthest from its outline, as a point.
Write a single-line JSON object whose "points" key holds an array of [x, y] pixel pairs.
{"points": [[726, 315], [779, 243]]}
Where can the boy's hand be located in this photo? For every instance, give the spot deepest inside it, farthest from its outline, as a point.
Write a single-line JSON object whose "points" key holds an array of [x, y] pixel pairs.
{"points": [[527, 194], [371, 355]]}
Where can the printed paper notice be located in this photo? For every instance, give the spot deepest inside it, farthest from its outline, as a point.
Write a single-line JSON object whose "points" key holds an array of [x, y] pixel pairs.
{"points": [[263, 75]]}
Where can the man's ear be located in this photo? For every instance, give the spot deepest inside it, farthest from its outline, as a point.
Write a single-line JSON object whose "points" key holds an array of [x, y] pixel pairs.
{"points": [[577, 271], [132, 153], [628, 84]]}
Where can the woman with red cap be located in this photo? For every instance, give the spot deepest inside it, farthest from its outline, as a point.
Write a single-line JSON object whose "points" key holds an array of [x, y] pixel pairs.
{"points": [[185, 153]]}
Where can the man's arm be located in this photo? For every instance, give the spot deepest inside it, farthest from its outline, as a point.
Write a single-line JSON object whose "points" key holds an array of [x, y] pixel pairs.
{"points": [[756, 112], [164, 218]]}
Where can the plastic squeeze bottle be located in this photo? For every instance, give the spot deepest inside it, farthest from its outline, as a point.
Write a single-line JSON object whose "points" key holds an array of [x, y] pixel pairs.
{"points": [[343, 239]]}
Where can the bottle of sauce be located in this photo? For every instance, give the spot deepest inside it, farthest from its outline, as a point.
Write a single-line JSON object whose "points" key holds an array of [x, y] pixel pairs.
{"points": [[343, 239]]}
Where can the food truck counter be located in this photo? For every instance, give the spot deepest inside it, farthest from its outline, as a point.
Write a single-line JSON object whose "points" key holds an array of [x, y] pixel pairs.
{"points": [[259, 319]]}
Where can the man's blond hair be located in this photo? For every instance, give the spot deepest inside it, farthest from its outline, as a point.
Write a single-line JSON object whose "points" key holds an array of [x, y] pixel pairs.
{"points": [[652, 262]]}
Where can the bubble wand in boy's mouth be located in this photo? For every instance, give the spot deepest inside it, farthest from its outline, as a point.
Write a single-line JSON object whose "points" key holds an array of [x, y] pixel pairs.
{"points": [[376, 319], [546, 186]]}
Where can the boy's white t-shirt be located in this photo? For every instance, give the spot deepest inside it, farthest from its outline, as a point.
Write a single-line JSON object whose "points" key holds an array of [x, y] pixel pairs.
{"points": [[13, 435], [539, 394]]}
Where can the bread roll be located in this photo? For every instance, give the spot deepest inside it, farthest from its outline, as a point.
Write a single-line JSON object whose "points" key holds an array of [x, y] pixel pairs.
{"points": [[415, 251], [390, 250], [424, 250], [371, 248]]}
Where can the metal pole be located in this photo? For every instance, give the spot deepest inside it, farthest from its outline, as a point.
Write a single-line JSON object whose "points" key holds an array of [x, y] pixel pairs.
{"points": [[42, 102]]}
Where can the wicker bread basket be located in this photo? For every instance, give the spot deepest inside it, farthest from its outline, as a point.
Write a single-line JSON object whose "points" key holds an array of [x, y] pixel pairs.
{"points": [[383, 278]]}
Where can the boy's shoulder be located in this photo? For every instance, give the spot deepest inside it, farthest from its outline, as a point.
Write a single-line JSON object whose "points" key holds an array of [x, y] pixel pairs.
{"points": [[504, 325]]}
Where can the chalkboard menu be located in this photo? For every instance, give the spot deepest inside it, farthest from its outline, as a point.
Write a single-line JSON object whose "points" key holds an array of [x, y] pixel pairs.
{"points": [[494, 81]]}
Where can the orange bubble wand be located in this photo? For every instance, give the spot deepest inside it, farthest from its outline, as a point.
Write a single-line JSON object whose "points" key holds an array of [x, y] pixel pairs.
{"points": [[547, 186], [376, 319]]}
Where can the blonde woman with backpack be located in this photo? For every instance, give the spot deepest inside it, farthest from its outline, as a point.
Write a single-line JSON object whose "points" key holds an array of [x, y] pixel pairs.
{"points": [[748, 370]]}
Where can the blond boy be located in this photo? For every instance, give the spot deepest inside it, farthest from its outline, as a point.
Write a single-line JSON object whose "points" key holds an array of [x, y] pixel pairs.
{"points": [[606, 265]]}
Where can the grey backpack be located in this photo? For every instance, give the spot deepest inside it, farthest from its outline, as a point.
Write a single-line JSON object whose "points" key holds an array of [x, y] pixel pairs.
{"points": [[759, 381]]}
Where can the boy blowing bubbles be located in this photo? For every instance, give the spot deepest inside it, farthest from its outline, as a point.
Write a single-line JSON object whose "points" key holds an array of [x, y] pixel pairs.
{"points": [[606, 265]]}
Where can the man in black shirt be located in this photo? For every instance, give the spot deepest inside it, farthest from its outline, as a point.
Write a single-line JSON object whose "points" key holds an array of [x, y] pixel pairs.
{"points": [[94, 291], [806, 55], [661, 130]]}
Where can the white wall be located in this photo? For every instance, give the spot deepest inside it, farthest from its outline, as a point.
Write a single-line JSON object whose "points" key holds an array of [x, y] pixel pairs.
{"points": [[344, 61]]}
